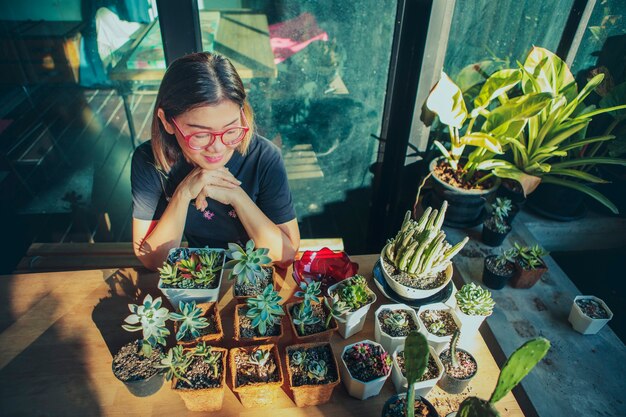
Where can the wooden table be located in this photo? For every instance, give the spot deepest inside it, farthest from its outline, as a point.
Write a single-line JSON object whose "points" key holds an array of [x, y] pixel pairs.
{"points": [[59, 331]]}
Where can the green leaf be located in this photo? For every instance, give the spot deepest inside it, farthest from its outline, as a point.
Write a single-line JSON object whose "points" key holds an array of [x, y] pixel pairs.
{"points": [[550, 72], [250, 245], [476, 407], [482, 140], [581, 175], [585, 142], [446, 99], [583, 189], [601, 111], [496, 85], [517, 109], [131, 328], [589, 161], [238, 268], [416, 356]]}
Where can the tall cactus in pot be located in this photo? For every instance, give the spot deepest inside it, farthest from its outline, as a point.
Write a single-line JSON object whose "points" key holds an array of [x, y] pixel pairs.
{"points": [[416, 361]]}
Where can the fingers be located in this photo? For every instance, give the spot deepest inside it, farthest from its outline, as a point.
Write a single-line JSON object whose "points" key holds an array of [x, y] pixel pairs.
{"points": [[221, 177]]}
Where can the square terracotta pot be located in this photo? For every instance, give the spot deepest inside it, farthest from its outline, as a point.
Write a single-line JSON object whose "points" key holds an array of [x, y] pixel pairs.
{"points": [[208, 309], [243, 298], [311, 338], [254, 340], [526, 278], [258, 394]]}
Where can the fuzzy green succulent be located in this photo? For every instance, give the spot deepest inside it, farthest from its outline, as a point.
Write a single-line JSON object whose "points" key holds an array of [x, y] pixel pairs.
{"points": [[317, 370], [264, 310], [149, 318], [246, 264], [474, 300], [191, 320], [420, 247], [354, 292], [309, 291], [519, 364]]}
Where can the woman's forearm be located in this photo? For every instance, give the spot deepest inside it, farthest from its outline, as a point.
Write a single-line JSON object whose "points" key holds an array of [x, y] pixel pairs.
{"points": [[166, 235], [263, 231]]}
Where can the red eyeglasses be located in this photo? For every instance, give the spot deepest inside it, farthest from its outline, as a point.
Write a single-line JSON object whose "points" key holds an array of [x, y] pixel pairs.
{"points": [[229, 137]]}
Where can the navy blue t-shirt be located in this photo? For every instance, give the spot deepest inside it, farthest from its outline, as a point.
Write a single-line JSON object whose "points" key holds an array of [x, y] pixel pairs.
{"points": [[261, 172]]}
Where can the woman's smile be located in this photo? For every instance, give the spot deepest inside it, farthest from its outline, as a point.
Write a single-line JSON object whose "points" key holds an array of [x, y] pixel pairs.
{"points": [[213, 159]]}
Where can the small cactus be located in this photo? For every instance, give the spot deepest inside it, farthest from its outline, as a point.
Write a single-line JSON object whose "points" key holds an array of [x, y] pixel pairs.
{"points": [[416, 361], [454, 359]]}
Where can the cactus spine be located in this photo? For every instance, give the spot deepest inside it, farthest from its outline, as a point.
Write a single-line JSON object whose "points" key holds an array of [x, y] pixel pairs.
{"points": [[454, 360]]}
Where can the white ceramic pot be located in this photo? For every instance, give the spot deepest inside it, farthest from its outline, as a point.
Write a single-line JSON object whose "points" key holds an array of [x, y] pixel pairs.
{"points": [[422, 387], [438, 343], [470, 323], [199, 295], [351, 323], [390, 343], [356, 388], [583, 323], [411, 293]]}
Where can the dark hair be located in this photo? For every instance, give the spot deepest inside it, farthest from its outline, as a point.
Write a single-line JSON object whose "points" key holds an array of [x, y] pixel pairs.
{"points": [[195, 80]]}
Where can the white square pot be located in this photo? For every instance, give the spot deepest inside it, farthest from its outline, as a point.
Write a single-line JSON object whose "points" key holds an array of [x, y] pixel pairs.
{"points": [[350, 324], [583, 323], [390, 343], [422, 388], [356, 388], [199, 295], [439, 343], [470, 323]]}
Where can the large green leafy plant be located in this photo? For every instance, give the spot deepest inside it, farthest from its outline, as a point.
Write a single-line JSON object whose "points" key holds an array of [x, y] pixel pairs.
{"points": [[548, 148]]}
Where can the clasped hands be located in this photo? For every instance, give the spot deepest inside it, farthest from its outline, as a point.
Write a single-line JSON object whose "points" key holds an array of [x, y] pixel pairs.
{"points": [[218, 184]]}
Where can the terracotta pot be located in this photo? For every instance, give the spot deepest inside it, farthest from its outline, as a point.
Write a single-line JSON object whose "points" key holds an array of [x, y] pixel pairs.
{"points": [[526, 278], [208, 309], [306, 395], [205, 399], [254, 340], [311, 338], [243, 298], [258, 394]]}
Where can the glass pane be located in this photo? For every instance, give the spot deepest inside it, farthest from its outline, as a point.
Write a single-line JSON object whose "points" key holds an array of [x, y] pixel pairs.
{"points": [[497, 34], [316, 73]]}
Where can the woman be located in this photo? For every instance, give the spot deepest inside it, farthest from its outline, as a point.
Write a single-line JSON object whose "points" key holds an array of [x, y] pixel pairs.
{"points": [[205, 173]]}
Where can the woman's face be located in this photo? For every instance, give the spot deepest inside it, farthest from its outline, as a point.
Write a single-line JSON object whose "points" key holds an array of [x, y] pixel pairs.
{"points": [[215, 118]]}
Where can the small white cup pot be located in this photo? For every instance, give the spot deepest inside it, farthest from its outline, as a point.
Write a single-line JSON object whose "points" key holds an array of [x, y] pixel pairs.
{"points": [[422, 387], [583, 323], [439, 343], [351, 323], [356, 388], [470, 323], [390, 343]]}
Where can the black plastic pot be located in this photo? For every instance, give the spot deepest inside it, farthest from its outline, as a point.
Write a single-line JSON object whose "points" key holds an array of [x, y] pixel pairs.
{"points": [[492, 237], [493, 280], [513, 191], [557, 203], [432, 412], [453, 385], [145, 387]]}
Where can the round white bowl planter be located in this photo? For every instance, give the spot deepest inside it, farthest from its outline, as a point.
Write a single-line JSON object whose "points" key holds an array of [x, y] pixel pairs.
{"points": [[584, 324], [411, 293], [421, 387], [438, 343], [351, 323], [390, 343], [356, 388]]}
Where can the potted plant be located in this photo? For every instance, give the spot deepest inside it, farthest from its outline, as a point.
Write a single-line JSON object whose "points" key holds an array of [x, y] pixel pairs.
{"points": [[324, 265], [356, 295], [249, 270], [425, 383], [192, 275], [135, 362], [416, 364], [198, 374], [459, 367], [260, 318], [497, 227], [198, 323], [499, 269], [392, 324], [473, 305], [312, 321], [589, 314], [417, 262], [256, 374], [365, 366], [313, 373], [529, 266], [519, 364], [439, 322]]}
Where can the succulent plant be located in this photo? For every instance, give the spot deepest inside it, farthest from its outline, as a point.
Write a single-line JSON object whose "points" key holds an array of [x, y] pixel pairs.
{"points": [[530, 256], [264, 310], [191, 320], [371, 357], [259, 357], [420, 247], [416, 361], [336, 308], [208, 356], [246, 264], [175, 362], [298, 357], [474, 300], [186, 268], [317, 370], [169, 273], [454, 359], [396, 320], [150, 318], [303, 315], [309, 291], [354, 292], [506, 256], [437, 328], [519, 364], [500, 210]]}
